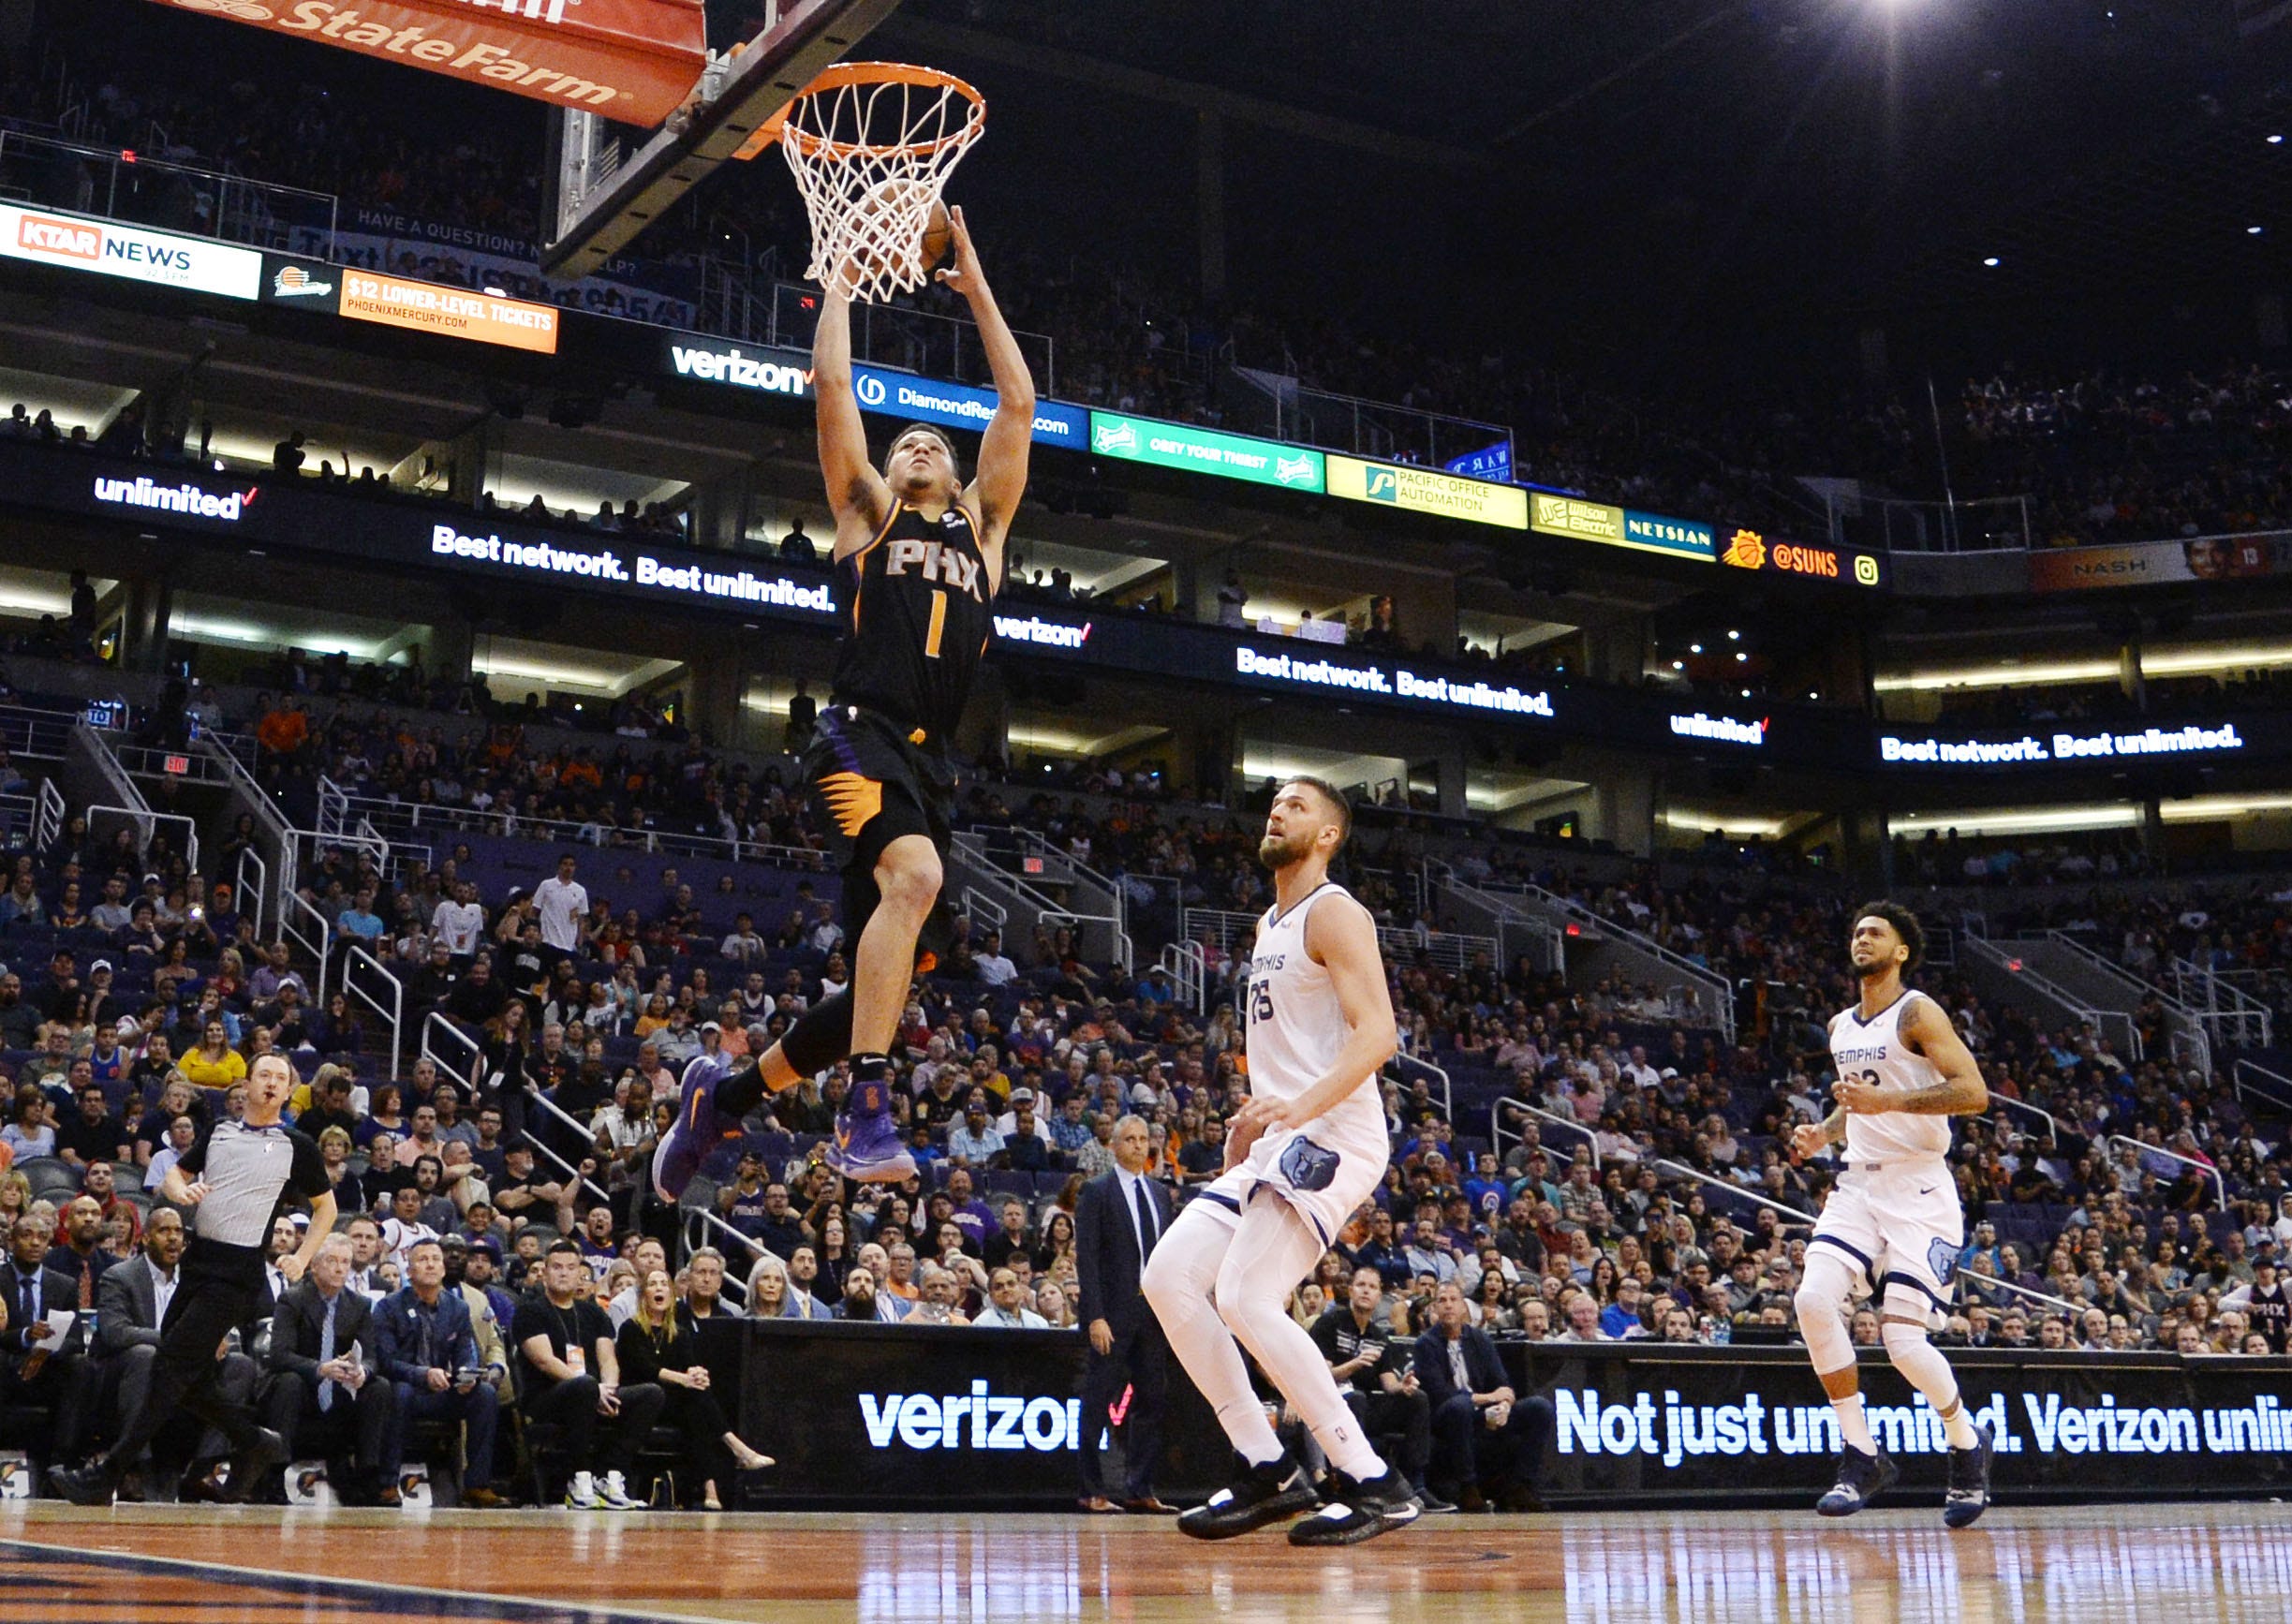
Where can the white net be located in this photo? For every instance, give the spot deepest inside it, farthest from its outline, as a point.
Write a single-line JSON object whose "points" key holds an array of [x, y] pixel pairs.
{"points": [[871, 144]]}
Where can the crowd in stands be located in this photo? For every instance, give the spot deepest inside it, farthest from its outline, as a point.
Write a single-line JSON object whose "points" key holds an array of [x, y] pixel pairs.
{"points": [[137, 994]]}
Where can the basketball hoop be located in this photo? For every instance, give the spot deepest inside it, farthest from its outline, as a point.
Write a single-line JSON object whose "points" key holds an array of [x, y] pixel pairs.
{"points": [[871, 144]]}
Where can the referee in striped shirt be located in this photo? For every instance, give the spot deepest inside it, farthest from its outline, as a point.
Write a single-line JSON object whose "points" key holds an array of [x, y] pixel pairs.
{"points": [[233, 1179]]}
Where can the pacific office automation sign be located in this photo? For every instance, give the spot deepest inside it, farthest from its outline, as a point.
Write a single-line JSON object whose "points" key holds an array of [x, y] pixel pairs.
{"points": [[632, 59], [2147, 743], [108, 249]]}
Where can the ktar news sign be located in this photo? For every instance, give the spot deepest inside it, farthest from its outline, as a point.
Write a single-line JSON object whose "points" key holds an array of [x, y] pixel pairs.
{"points": [[631, 60]]}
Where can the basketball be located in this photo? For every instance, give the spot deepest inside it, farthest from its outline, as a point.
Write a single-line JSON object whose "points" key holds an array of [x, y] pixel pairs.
{"points": [[938, 237]]}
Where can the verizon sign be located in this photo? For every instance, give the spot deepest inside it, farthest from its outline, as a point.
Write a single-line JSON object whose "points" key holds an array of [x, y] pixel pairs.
{"points": [[104, 246], [632, 59]]}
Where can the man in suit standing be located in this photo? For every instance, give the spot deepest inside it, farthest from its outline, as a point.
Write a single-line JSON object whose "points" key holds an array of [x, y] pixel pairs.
{"points": [[132, 1301], [1119, 1218], [428, 1345], [326, 1391], [1482, 1433], [55, 1379]]}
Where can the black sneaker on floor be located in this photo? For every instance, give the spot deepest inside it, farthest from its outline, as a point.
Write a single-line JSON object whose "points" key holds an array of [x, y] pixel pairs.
{"points": [[1359, 1510], [263, 1451], [1431, 1504], [1862, 1478], [1261, 1494], [1969, 1496], [89, 1484]]}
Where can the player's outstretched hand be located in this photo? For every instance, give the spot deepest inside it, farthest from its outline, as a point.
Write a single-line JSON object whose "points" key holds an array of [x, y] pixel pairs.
{"points": [[963, 276], [1807, 1139]]}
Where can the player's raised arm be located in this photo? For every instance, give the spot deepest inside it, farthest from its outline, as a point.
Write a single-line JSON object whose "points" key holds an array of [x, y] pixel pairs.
{"points": [[1002, 480], [856, 492], [1342, 939]]}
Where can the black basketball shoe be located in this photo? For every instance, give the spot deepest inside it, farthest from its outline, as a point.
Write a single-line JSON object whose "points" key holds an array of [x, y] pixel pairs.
{"points": [[1359, 1509], [1969, 1496], [1862, 1478], [1261, 1494]]}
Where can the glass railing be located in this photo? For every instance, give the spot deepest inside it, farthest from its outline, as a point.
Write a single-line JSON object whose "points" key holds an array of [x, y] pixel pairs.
{"points": [[123, 184]]}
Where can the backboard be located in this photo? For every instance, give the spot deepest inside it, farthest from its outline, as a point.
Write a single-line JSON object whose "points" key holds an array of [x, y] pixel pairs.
{"points": [[600, 190]]}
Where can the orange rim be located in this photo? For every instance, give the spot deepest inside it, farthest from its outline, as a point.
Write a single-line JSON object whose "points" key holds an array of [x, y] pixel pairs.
{"points": [[842, 75]]}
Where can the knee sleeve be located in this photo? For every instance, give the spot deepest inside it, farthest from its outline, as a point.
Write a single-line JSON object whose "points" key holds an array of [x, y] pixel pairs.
{"points": [[820, 1036], [1821, 1301], [1184, 1267], [1906, 1303]]}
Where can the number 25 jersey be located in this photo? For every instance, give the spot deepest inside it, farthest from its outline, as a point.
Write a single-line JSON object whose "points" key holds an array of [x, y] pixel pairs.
{"points": [[1876, 1051], [922, 610]]}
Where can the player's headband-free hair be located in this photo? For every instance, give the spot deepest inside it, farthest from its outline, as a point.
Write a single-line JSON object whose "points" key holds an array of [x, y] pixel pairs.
{"points": [[1903, 923], [1335, 797], [954, 458]]}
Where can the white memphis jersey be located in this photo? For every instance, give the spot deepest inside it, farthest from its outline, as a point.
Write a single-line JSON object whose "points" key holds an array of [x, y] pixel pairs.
{"points": [[1296, 1027], [1875, 1051]]}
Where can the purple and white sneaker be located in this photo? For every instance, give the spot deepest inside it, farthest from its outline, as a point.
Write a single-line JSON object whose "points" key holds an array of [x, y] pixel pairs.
{"points": [[693, 1135], [867, 1147]]}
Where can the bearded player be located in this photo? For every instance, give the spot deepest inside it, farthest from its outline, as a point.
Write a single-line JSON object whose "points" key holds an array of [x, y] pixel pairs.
{"points": [[1893, 1223], [919, 558], [1308, 1149]]}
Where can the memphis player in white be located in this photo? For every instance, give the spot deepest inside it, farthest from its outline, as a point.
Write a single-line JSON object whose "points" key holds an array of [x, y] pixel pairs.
{"points": [[1308, 1148], [1892, 1225]]}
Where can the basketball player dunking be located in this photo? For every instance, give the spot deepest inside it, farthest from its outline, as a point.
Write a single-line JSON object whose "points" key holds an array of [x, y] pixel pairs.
{"points": [[1892, 1224], [919, 558], [1305, 1151]]}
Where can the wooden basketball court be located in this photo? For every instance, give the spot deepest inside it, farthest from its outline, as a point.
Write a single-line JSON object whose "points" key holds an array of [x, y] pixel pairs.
{"points": [[169, 1565]]}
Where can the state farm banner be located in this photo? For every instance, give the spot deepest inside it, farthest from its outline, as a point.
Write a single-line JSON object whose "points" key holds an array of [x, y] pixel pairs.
{"points": [[631, 60]]}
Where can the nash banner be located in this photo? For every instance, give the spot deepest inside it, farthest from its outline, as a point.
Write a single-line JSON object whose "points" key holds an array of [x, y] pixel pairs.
{"points": [[2145, 563], [631, 60]]}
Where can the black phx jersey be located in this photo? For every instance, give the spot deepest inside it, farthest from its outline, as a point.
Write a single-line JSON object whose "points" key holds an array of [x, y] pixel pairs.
{"points": [[921, 615]]}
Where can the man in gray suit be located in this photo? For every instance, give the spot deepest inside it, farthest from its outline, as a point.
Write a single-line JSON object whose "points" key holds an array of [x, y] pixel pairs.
{"points": [[131, 1301], [326, 1388]]}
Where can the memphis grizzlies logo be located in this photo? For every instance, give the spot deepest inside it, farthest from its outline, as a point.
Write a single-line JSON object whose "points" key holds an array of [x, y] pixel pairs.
{"points": [[1942, 1258], [1307, 1166]]}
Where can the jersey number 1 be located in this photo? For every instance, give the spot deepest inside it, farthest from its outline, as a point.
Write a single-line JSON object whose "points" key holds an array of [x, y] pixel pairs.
{"points": [[939, 624]]}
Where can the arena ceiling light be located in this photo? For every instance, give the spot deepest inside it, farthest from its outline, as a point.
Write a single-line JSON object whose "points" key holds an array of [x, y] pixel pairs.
{"points": [[1993, 261], [1699, 820], [2027, 820]]}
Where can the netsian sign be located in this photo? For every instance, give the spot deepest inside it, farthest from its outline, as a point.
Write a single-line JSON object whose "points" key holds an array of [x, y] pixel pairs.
{"points": [[108, 249], [2061, 746], [1207, 451], [632, 59]]}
